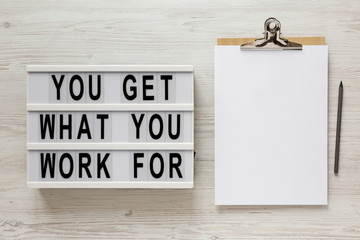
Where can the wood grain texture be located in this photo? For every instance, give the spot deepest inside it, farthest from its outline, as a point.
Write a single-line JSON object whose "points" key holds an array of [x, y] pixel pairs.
{"points": [[301, 40], [170, 32]]}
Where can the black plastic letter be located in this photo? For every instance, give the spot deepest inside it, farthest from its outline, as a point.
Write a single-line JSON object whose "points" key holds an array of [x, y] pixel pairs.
{"points": [[102, 118], [147, 87], [166, 78], [177, 134], [132, 88], [161, 171], [67, 127], [58, 85], [84, 129], [71, 86], [47, 124], [175, 165], [101, 164], [136, 164], [137, 124], [83, 165], [61, 165], [97, 96], [49, 161]]}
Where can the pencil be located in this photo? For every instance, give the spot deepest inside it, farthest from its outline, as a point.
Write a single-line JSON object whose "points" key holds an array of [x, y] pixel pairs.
{"points": [[338, 129]]}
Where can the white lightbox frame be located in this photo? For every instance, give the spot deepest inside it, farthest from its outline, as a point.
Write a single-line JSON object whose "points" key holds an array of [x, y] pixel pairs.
{"points": [[111, 107]]}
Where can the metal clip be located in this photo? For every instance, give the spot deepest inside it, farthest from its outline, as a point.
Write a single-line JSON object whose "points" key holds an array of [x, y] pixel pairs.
{"points": [[271, 40]]}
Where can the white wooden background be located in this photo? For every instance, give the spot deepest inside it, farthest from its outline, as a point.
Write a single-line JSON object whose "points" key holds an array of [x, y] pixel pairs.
{"points": [[169, 32]]}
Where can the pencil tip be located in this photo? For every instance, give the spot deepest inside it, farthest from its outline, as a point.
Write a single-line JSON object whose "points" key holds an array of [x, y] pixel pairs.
{"points": [[341, 84]]}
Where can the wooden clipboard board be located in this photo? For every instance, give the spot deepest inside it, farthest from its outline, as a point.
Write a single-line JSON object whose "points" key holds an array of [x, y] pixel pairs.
{"points": [[301, 40]]}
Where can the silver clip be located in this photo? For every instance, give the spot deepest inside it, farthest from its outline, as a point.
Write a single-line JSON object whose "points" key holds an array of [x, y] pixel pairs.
{"points": [[271, 40]]}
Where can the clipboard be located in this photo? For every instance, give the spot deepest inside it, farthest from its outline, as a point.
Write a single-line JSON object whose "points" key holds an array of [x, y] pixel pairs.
{"points": [[271, 34], [271, 119]]}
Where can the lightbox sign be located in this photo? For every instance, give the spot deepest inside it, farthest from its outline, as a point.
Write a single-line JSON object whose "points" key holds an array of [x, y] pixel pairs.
{"points": [[110, 126]]}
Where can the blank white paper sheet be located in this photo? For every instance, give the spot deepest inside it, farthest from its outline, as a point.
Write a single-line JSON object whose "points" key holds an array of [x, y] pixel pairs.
{"points": [[271, 126]]}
